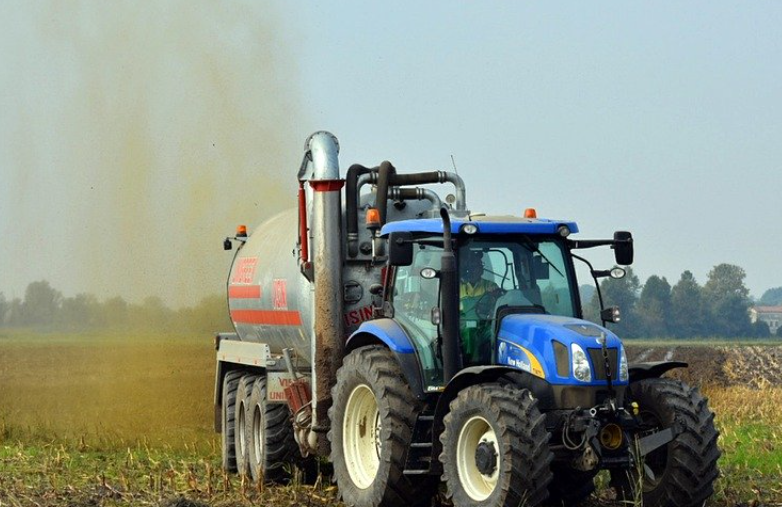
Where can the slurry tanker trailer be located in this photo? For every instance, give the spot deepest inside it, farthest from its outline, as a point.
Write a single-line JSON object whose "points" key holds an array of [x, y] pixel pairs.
{"points": [[421, 347]]}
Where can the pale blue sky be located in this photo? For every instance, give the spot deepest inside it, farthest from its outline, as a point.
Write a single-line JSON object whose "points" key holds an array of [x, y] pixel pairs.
{"points": [[664, 119]]}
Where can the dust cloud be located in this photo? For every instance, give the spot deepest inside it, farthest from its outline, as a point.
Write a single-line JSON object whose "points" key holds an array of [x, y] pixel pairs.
{"points": [[136, 136]]}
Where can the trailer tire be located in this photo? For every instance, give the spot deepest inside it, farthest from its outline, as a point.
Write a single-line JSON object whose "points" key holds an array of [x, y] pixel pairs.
{"points": [[570, 487], [243, 391], [685, 469], [369, 455], [228, 420], [273, 450], [495, 448]]}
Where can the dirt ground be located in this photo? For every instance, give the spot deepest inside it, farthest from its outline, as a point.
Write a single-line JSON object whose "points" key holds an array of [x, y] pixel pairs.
{"points": [[751, 366]]}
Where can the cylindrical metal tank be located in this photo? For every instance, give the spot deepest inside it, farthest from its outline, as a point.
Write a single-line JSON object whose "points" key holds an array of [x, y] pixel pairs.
{"points": [[268, 298]]}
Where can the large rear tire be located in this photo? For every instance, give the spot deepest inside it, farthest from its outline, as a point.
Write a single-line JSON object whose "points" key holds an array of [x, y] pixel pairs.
{"points": [[242, 449], [273, 451], [228, 418], [495, 448], [372, 417], [682, 473]]}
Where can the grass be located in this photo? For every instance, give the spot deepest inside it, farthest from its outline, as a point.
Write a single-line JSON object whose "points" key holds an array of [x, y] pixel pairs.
{"points": [[115, 419]]}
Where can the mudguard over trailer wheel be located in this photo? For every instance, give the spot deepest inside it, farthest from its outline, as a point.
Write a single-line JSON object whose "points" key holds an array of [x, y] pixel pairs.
{"points": [[273, 451], [228, 417], [243, 392], [495, 448], [372, 417], [682, 473]]}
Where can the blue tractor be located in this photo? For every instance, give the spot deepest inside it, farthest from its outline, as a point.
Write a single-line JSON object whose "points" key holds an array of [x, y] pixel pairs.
{"points": [[481, 364]]}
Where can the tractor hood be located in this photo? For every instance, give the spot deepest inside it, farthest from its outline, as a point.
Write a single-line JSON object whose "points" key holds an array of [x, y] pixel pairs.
{"points": [[543, 344]]}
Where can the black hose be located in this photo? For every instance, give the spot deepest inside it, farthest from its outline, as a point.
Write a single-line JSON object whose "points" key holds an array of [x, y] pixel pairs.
{"points": [[417, 178], [385, 174], [352, 197]]}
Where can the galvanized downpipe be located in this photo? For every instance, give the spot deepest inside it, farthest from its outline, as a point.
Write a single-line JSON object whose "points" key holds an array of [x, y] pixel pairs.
{"points": [[327, 341]]}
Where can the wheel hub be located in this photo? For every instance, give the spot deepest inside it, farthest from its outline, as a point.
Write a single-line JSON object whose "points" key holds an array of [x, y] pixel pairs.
{"points": [[486, 458]]}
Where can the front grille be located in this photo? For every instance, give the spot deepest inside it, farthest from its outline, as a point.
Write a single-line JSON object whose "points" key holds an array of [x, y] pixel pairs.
{"points": [[599, 363]]}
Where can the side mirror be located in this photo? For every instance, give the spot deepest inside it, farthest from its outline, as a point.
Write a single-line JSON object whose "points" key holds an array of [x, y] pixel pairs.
{"points": [[400, 249], [623, 248], [610, 314], [540, 268]]}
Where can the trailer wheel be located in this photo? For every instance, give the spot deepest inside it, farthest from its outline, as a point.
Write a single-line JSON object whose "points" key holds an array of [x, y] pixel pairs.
{"points": [[243, 391], [228, 425], [372, 417], [495, 448], [682, 473], [272, 447]]}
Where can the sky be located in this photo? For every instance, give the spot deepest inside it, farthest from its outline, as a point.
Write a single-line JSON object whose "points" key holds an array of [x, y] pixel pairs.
{"points": [[134, 138]]}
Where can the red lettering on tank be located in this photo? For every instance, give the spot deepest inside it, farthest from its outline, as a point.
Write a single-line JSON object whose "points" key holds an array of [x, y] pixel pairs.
{"points": [[280, 299], [244, 270], [366, 313], [355, 317]]}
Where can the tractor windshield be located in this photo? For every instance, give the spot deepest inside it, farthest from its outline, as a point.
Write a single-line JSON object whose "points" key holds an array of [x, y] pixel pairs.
{"points": [[524, 274]]}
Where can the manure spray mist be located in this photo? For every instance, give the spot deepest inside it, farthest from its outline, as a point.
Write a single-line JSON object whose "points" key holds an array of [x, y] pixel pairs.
{"points": [[134, 137]]}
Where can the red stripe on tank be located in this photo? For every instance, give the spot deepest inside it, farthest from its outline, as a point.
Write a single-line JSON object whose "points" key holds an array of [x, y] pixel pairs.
{"points": [[244, 291], [269, 317]]}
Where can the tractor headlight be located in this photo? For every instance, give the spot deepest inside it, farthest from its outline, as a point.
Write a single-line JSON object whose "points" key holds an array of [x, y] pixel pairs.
{"points": [[578, 360], [624, 373]]}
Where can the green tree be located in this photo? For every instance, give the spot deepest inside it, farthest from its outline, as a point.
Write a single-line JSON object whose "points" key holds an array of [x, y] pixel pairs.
{"points": [[3, 308], [80, 312], [41, 304], [772, 297], [760, 329], [624, 294], [688, 313], [653, 308], [115, 312], [727, 299]]}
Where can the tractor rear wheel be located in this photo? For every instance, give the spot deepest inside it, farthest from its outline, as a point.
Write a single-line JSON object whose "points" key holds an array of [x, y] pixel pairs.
{"points": [[272, 448], [228, 418], [681, 473], [372, 417], [495, 448], [243, 391]]}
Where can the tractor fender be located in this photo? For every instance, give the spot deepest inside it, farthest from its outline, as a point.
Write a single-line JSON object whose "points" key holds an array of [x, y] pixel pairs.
{"points": [[654, 369], [389, 334]]}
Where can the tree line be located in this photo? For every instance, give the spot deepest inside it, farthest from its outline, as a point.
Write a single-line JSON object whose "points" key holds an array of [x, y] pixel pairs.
{"points": [[44, 307], [655, 309]]}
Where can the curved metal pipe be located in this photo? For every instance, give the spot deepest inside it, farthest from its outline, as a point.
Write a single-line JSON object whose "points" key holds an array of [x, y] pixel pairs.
{"points": [[327, 341], [323, 148]]}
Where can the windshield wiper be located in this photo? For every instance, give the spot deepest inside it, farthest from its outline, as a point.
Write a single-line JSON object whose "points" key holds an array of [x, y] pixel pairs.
{"points": [[532, 247]]}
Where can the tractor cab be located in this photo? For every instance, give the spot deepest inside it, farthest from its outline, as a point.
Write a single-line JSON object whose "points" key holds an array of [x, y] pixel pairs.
{"points": [[515, 300]]}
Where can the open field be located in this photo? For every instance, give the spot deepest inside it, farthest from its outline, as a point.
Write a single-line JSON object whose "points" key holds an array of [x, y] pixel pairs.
{"points": [[120, 420]]}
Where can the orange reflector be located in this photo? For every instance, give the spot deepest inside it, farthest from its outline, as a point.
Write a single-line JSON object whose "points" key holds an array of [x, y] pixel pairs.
{"points": [[530, 213], [241, 231], [373, 217]]}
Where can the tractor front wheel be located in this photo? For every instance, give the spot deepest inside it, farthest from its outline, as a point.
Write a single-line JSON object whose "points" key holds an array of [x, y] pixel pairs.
{"points": [[495, 448]]}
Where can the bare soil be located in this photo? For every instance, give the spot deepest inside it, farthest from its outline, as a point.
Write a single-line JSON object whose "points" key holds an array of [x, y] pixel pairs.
{"points": [[757, 366]]}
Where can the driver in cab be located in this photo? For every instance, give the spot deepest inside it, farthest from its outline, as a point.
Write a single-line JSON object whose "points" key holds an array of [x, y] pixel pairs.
{"points": [[477, 297]]}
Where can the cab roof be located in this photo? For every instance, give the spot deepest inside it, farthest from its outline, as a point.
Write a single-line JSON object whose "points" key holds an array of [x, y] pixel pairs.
{"points": [[486, 225]]}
